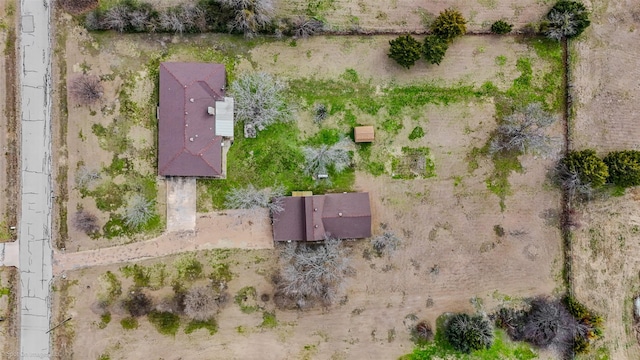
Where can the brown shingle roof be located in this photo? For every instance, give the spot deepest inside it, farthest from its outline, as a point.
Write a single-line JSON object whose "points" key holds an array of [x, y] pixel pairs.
{"points": [[311, 218], [187, 145]]}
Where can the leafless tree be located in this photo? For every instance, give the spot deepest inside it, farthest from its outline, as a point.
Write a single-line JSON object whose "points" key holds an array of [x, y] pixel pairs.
{"points": [[140, 20], [93, 21], [139, 210], [183, 18], [250, 15], [524, 131], [548, 321], [319, 159], [303, 27], [422, 332], [251, 199], [86, 89], [259, 100], [200, 303], [116, 18], [569, 180], [311, 273], [321, 113], [76, 7], [86, 176], [86, 222], [385, 244]]}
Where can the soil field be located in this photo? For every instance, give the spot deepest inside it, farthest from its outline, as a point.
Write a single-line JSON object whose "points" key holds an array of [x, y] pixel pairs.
{"points": [[606, 104], [460, 249]]}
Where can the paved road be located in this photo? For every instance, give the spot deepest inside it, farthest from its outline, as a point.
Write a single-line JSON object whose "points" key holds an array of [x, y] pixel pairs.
{"points": [[35, 220]]}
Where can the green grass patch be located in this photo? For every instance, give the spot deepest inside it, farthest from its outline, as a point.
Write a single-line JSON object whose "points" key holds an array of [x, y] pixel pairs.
{"points": [[269, 320], [211, 325], [502, 348], [129, 323], [165, 322], [498, 182], [413, 163], [325, 137], [188, 267], [105, 319]]}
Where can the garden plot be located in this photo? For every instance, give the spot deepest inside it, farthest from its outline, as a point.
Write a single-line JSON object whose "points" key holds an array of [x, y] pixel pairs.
{"points": [[471, 227], [605, 95]]}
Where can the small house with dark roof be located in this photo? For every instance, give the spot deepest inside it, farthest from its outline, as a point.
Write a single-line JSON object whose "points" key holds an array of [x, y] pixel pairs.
{"points": [[313, 218], [195, 120]]}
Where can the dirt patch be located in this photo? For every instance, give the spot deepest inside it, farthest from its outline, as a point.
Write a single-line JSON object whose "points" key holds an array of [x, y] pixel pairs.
{"points": [[606, 104], [9, 165], [9, 294]]}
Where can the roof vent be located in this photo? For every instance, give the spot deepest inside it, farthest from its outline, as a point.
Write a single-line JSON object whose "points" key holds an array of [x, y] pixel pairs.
{"points": [[211, 110], [191, 139], [191, 100], [340, 214]]}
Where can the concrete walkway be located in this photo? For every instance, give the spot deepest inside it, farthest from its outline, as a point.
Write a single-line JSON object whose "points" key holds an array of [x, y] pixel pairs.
{"points": [[214, 231], [34, 235], [9, 254]]}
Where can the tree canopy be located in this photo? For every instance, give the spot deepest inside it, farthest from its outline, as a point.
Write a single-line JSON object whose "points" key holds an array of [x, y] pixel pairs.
{"points": [[405, 50]]}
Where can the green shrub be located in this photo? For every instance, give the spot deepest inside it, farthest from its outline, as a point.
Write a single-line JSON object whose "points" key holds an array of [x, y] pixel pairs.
{"points": [[209, 324], [129, 323], [589, 167], [405, 50], [567, 19], [110, 288], [468, 333], [246, 299], [449, 25], [139, 273], [624, 167], [416, 133], [501, 27], [269, 320], [188, 267], [165, 322], [434, 49]]}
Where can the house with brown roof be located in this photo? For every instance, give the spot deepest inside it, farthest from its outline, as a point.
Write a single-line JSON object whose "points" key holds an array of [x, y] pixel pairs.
{"points": [[195, 120], [312, 218]]}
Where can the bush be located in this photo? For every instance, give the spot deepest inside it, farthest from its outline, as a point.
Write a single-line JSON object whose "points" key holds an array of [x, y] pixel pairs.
{"points": [[138, 303], [321, 113], [86, 222], [110, 288], [139, 210], [85, 177], [469, 333], [311, 273], [303, 27], [624, 167], [512, 321], [422, 333], [589, 168], [259, 101], [405, 50], [86, 89], [434, 49], [567, 19], [385, 244], [548, 322], [416, 133], [501, 27], [200, 303], [209, 324], [449, 25], [165, 322], [76, 7], [129, 323], [246, 299], [188, 267]]}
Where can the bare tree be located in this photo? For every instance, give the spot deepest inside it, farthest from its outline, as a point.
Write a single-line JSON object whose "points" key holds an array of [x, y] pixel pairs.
{"points": [[385, 244], [86, 89], [321, 113], [523, 131], [251, 199], [259, 101], [86, 222], [311, 273], [251, 16], [318, 160], [570, 181], [139, 210], [200, 303], [140, 20], [303, 27], [86, 176], [116, 18], [548, 321]]}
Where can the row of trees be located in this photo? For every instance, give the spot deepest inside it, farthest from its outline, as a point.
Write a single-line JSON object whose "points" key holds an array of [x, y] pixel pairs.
{"points": [[582, 172], [248, 17]]}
